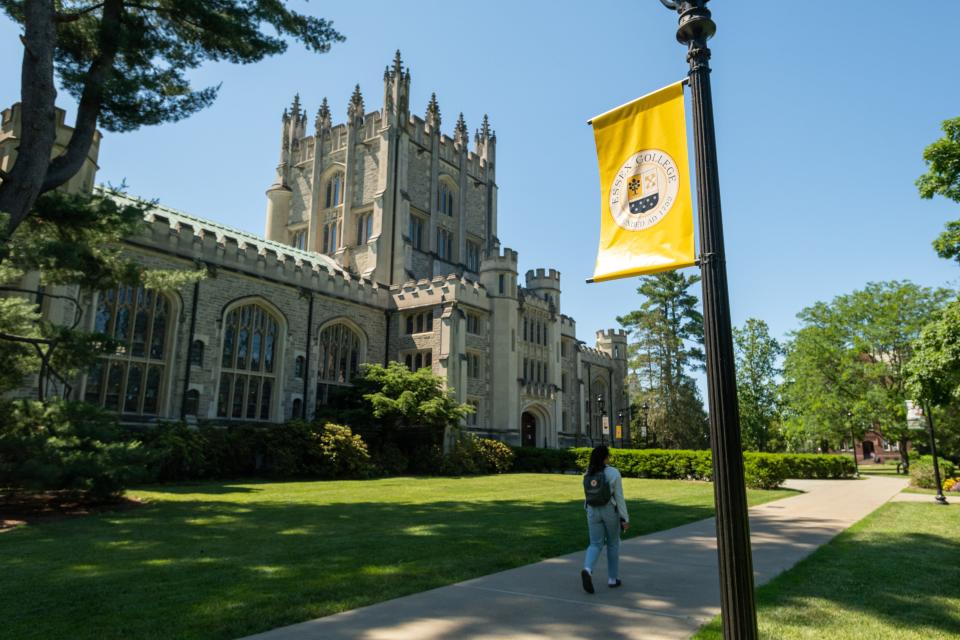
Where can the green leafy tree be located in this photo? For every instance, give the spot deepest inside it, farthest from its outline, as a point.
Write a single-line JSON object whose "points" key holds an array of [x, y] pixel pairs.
{"points": [[71, 245], [127, 64], [850, 355], [943, 178], [758, 394], [399, 398], [667, 332], [933, 376]]}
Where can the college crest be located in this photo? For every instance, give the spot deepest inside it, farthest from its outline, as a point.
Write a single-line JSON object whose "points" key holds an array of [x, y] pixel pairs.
{"points": [[644, 189]]}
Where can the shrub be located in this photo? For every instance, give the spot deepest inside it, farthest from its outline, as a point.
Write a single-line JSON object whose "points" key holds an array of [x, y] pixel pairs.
{"points": [[463, 459], [495, 456], [761, 469], [176, 451], [390, 460], [764, 470], [343, 454], [66, 446], [921, 471], [535, 460]]}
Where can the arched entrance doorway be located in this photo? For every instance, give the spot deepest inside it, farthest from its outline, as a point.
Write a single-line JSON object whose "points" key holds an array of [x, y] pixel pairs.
{"points": [[867, 449], [528, 430]]}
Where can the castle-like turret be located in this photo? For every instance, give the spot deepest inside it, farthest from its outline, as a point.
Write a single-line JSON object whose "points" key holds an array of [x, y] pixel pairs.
{"points": [[545, 283], [613, 342]]}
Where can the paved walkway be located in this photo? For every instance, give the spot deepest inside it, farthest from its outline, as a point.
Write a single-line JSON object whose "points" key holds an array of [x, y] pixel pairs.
{"points": [[670, 581]]}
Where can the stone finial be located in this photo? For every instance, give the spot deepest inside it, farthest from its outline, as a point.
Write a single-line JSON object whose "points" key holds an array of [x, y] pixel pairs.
{"points": [[461, 135], [485, 128], [323, 120], [296, 113], [397, 63], [433, 113], [355, 110]]}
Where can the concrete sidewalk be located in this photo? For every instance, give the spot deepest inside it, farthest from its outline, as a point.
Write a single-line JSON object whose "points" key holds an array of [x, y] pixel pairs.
{"points": [[670, 580]]}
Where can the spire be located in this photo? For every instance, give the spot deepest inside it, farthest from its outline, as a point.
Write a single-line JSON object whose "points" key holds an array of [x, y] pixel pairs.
{"points": [[355, 110], [485, 128], [433, 113], [397, 63], [323, 116], [295, 107], [461, 135]]}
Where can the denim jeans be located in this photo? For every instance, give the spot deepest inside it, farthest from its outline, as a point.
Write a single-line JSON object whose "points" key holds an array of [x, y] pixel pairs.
{"points": [[603, 524]]}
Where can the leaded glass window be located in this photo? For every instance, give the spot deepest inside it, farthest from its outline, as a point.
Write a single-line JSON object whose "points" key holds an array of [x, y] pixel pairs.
{"points": [[339, 358], [248, 363], [131, 379]]}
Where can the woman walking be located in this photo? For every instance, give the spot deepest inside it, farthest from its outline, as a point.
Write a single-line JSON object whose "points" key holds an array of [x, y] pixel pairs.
{"points": [[606, 517]]}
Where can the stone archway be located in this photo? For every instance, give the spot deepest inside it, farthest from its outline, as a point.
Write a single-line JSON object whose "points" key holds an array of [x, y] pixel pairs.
{"points": [[528, 429]]}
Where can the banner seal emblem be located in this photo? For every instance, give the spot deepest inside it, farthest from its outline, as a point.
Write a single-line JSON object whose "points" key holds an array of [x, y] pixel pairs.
{"points": [[644, 189]]}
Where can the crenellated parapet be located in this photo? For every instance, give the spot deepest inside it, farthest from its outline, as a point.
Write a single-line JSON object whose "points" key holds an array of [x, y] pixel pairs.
{"points": [[223, 248], [439, 290]]}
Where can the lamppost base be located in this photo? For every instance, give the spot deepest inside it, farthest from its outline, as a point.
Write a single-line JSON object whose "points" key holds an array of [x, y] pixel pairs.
{"points": [[941, 500]]}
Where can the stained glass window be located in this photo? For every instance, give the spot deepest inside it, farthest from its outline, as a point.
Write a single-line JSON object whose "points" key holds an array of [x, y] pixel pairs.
{"points": [[131, 379]]}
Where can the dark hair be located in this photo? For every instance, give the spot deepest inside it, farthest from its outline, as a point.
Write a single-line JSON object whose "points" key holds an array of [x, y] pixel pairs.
{"points": [[598, 459]]}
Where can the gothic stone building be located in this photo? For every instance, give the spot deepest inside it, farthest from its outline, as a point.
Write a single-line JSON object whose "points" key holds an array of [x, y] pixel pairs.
{"points": [[381, 244]]}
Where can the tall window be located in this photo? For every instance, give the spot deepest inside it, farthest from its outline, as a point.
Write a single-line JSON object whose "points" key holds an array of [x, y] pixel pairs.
{"points": [[503, 285], [416, 231], [334, 194], [473, 255], [417, 360], [339, 359], [364, 228], [444, 244], [248, 363], [420, 322], [472, 418], [330, 232], [473, 324], [445, 199], [131, 380], [299, 239], [473, 365]]}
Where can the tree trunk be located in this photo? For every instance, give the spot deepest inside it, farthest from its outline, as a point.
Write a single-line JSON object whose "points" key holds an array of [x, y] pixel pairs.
{"points": [[905, 455], [23, 183]]}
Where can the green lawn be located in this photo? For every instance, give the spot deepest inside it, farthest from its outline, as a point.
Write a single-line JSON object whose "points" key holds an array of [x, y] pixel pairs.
{"points": [[224, 560], [892, 576]]}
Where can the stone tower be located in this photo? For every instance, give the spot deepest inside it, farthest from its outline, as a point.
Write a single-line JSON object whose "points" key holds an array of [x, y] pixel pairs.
{"points": [[386, 194], [498, 274]]}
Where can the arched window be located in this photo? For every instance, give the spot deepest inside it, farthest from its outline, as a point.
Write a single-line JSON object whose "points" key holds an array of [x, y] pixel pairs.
{"points": [[131, 380], [193, 402], [445, 199], [334, 195], [297, 408], [251, 338], [339, 359]]}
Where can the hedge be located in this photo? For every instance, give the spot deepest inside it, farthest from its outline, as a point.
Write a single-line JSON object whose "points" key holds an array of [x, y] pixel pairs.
{"points": [[921, 471], [761, 470]]}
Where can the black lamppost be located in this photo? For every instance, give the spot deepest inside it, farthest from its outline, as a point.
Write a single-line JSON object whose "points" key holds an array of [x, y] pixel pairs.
{"points": [[853, 445], [603, 436], [646, 411], [927, 409], [737, 601]]}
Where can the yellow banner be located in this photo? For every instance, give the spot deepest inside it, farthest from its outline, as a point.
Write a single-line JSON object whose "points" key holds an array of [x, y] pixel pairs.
{"points": [[646, 221]]}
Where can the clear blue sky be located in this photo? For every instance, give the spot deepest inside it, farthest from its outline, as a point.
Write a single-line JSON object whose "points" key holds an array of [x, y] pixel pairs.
{"points": [[822, 111]]}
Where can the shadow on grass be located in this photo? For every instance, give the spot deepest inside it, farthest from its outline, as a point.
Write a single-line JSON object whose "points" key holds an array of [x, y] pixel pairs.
{"points": [[901, 579], [222, 569]]}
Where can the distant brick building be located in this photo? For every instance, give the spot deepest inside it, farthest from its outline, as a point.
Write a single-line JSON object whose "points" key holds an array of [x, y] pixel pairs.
{"points": [[873, 448]]}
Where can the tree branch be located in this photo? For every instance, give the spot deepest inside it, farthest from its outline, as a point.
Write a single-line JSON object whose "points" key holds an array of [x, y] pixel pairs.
{"points": [[66, 165], [22, 184], [73, 16]]}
